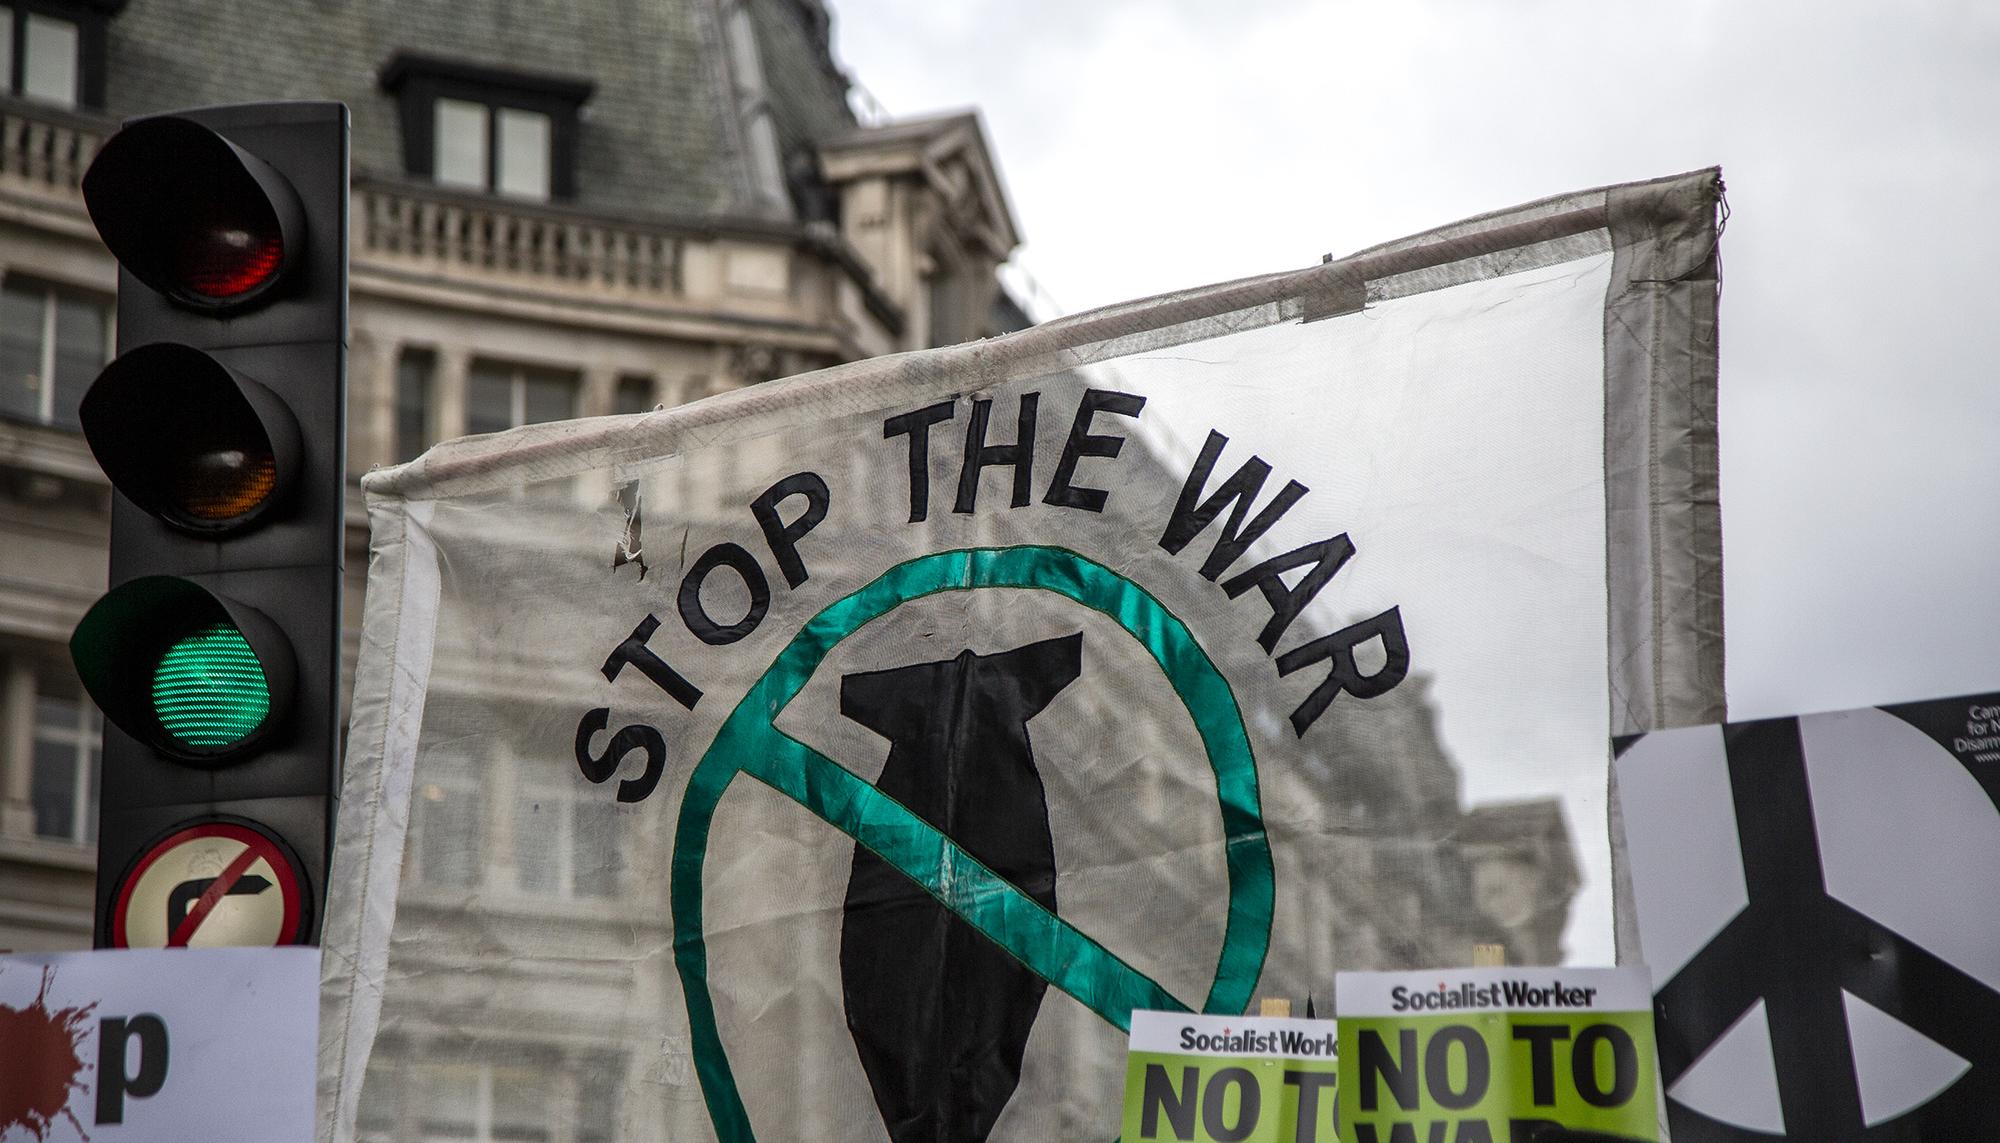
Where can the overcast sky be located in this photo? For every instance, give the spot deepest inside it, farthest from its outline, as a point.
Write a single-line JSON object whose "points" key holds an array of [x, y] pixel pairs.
{"points": [[1156, 144]]}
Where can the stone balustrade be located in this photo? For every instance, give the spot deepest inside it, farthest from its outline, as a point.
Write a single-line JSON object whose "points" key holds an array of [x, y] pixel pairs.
{"points": [[47, 148], [450, 235]]}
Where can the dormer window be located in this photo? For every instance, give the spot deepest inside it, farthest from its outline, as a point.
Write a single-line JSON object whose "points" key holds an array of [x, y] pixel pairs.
{"points": [[483, 129], [52, 51], [480, 146]]}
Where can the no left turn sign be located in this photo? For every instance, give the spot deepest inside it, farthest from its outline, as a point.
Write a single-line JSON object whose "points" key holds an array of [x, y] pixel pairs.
{"points": [[212, 884]]}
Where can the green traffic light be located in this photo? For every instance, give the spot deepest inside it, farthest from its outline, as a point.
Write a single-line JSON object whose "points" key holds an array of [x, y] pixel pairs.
{"points": [[209, 690]]}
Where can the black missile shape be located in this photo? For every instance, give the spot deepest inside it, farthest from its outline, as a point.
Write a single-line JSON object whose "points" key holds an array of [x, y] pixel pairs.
{"points": [[940, 1015]]}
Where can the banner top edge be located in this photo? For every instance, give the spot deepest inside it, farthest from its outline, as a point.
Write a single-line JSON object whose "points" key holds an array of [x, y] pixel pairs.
{"points": [[1322, 290]]}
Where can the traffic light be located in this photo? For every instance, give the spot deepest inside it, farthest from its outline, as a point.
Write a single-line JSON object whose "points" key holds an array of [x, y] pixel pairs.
{"points": [[222, 425]]}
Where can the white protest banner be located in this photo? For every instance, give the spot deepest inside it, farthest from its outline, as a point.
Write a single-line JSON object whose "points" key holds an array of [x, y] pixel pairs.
{"points": [[1813, 895], [852, 754], [153, 1044]]}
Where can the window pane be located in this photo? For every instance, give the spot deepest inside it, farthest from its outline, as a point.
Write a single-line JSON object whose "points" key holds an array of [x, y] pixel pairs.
{"points": [[549, 397], [489, 398], [947, 305], [597, 1101], [21, 350], [522, 1100], [53, 790], [460, 143], [413, 402], [80, 339], [55, 717], [596, 859], [379, 1089], [449, 1097], [51, 64], [90, 798], [447, 835], [635, 395], [524, 153], [538, 830], [63, 779]]}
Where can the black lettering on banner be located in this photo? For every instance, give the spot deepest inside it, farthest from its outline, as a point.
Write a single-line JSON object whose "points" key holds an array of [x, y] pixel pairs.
{"points": [[1326, 558], [784, 538], [1192, 515], [1624, 1065], [1437, 1067], [634, 651], [979, 456], [917, 426], [1472, 1131], [1529, 1130], [1338, 648], [1249, 1105], [1378, 1069], [638, 736], [1159, 1096], [1306, 1130], [733, 557], [1541, 1040], [114, 1082], [1063, 493]]}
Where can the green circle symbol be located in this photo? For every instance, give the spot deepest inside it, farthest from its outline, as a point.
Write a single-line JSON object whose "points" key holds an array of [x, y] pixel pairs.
{"points": [[750, 743]]}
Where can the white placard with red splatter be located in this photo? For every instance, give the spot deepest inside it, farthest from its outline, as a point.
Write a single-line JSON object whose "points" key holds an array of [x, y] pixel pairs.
{"points": [[116, 1045]]}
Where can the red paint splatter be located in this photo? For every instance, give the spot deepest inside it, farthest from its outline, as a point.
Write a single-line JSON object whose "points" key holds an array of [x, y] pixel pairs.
{"points": [[39, 1062]]}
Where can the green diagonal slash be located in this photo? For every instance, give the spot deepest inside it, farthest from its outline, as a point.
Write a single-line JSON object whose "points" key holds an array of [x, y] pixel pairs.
{"points": [[749, 743]]}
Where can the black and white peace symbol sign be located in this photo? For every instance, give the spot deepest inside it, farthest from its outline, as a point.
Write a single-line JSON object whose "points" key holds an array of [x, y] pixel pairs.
{"points": [[1813, 895]]}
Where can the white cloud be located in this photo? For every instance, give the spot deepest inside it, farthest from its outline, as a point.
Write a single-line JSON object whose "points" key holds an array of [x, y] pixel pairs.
{"points": [[1154, 145]]}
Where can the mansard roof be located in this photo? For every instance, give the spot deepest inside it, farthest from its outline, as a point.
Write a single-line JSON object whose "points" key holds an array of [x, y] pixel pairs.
{"points": [[662, 133]]}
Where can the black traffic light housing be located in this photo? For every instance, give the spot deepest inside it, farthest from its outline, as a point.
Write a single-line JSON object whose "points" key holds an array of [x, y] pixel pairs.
{"points": [[122, 640], [212, 453], [222, 425], [193, 215]]}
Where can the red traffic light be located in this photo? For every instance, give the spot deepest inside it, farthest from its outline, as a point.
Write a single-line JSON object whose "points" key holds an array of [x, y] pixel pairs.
{"points": [[192, 215], [190, 441]]}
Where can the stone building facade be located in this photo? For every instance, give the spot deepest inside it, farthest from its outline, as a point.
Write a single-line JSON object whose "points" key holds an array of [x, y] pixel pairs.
{"points": [[559, 210]]}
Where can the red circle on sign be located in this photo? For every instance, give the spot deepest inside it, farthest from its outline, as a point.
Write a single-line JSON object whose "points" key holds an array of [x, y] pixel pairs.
{"points": [[258, 845]]}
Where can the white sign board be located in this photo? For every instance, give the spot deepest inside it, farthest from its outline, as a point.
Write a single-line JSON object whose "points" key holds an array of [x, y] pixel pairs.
{"points": [[155, 1044], [1814, 896]]}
